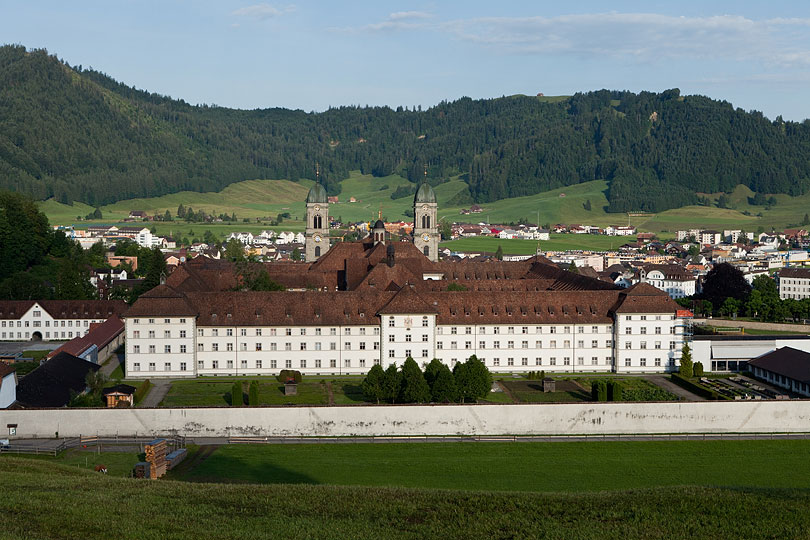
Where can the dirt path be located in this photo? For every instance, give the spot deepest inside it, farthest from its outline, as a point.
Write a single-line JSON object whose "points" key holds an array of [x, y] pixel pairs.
{"points": [[669, 386], [330, 395]]}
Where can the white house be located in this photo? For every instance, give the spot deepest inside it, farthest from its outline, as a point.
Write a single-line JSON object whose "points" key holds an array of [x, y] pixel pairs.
{"points": [[507, 234], [670, 278], [245, 238], [794, 283], [53, 320]]}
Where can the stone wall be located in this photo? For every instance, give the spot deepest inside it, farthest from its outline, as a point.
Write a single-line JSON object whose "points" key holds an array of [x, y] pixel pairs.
{"points": [[544, 419]]}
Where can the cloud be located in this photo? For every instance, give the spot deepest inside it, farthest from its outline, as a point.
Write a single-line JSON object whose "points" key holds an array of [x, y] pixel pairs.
{"points": [[645, 36], [400, 20], [262, 12]]}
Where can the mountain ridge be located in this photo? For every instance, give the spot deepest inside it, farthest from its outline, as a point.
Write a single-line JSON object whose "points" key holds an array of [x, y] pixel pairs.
{"points": [[77, 134]]}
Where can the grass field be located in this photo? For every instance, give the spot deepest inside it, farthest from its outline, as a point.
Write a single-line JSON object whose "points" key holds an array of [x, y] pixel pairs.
{"points": [[101, 507], [557, 242], [263, 198], [542, 467]]}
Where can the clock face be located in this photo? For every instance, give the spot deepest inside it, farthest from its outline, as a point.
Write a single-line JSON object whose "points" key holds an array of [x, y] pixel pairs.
{"points": [[426, 237], [317, 207], [317, 237], [424, 207]]}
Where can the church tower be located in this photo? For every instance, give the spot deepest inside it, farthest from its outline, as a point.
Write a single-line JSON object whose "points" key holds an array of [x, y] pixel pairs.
{"points": [[425, 224], [317, 229]]}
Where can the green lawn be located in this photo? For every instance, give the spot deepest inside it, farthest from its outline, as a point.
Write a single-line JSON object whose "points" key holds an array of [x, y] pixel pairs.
{"points": [[558, 242], [309, 393], [118, 463], [100, 507], [37, 355], [348, 392], [530, 391], [24, 368], [542, 467], [198, 394], [635, 389]]}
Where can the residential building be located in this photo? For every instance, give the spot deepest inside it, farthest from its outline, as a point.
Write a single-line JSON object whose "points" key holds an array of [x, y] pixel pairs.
{"points": [[794, 283], [53, 320]]}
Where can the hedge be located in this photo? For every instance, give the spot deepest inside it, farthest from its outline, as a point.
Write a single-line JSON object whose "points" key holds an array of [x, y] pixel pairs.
{"points": [[142, 390], [695, 388]]}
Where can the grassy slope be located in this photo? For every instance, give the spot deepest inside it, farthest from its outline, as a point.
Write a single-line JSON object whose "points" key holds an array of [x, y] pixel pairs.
{"points": [[101, 507], [547, 467], [260, 198]]}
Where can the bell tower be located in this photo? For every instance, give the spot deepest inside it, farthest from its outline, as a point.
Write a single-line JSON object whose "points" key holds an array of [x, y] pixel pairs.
{"points": [[425, 224], [317, 227]]}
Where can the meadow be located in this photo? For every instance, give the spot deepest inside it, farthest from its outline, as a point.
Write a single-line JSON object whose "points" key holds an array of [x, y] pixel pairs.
{"points": [[103, 506], [537, 467], [254, 199]]}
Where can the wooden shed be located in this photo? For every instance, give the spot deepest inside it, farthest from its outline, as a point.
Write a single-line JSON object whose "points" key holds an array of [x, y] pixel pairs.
{"points": [[120, 395]]}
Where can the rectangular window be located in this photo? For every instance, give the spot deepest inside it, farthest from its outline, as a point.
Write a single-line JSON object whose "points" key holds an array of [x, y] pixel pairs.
{"points": [[167, 348], [347, 362], [424, 338], [135, 334], [644, 330], [391, 338], [215, 332], [182, 333], [424, 353], [510, 361], [524, 361], [439, 345], [303, 346], [288, 346], [229, 332], [151, 366], [230, 364], [643, 345], [496, 361], [200, 364], [362, 345], [273, 347], [136, 349], [628, 345], [467, 345], [167, 366], [626, 362], [243, 332], [200, 347], [390, 322], [258, 332], [182, 366], [258, 346], [215, 347], [333, 332], [258, 364], [136, 366], [407, 338], [468, 330], [567, 361], [581, 344], [376, 345], [182, 349], [347, 346], [151, 334], [628, 330], [510, 344], [362, 331], [347, 331], [243, 346], [657, 329], [390, 354], [303, 364], [229, 347], [215, 364], [552, 361], [152, 349], [200, 332], [288, 363], [538, 361], [594, 360], [288, 331], [643, 362], [482, 344], [273, 364], [303, 331]]}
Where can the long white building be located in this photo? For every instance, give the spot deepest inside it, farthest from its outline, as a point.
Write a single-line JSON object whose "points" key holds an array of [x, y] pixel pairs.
{"points": [[173, 334]]}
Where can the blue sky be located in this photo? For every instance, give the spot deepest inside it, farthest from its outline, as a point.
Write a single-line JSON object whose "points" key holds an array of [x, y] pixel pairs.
{"points": [[312, 55]]}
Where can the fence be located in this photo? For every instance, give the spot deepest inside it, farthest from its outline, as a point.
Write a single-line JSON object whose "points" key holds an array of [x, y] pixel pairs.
{"points": [[54, 447]]}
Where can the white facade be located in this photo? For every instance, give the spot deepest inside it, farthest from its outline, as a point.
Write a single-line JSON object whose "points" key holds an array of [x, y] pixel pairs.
{"points": [[37, 324], [8, 390], [176, 347], [795, 287], [675, 288]]}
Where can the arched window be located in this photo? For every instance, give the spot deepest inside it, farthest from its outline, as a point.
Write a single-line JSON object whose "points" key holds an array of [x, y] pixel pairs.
{"points": [[426, 251], [317, 251], [427, 218], [424, 222]]}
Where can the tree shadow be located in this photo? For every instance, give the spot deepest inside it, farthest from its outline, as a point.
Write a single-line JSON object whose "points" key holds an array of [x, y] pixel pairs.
{"points": [[353, 392], [221, 467]]}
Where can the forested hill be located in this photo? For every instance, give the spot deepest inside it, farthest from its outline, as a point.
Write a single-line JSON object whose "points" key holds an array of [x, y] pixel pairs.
{"points": [[76, 134]]}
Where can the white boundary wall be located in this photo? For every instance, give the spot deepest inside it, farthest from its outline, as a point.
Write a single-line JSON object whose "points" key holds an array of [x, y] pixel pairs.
{"points": [[545, 419]]}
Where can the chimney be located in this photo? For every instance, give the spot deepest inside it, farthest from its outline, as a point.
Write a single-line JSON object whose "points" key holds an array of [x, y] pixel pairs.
{"points": [[389, 251]]}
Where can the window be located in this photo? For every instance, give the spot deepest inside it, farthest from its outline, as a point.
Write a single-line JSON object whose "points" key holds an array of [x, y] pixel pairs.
{"points": [[243, 332], [362, 345], [594, 344], [333, 346], [643, 345], [510, 361], [288, 346], [496, 361], [362, 331], [567, 330], [581, 329], [439, 345], [151, 334], [317, 362], [453, 330], [628, 345], [288, 363], [524, 361], [643, 317], [258, 346], [273, 347], [552, 361], [510, 344], [229, 332], [496, 344], [136, 349], [567, 344], [182, 321], [167, 366], [303, 346], [580, 361], [594, 360], [200, 332], [609, 343], [229, 347], [581, 344], [567, 361], [657, 344], [468, 330], [182, 333], [136, 366], [243, 346], [524, 330], [424, 353], [272, 331], [467, 345], [643, 362], [151, 366], [594, 329], [390, 354], [644, 330], [408, 353], [390, 322], [167, 348], [333, 332], [657, 329], [200, 347], [552, 330], [407, 338], [496, 330], [626, 362], [628, 318], [657, 362], [151, 321], [425, 322], [215, 332], [136, 321], [182, 349], [347, 363], [230, 364], [288, 331], [152, 349], [376, 330], [511, 329], [215, 347], [391, 338], [453, 344], [200, 364], [303, 364], [182, 366], [347, 331], [135, 334], [347, 346], [628, 330], [538, 361]]}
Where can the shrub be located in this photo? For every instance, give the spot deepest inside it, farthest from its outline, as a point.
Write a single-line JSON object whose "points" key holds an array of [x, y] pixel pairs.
{"points": [[253, 394], [373, 385], [237, 399], [599, 391], [686, 369], [695, 388], [614, 391], [697, 369], [287, 374]]}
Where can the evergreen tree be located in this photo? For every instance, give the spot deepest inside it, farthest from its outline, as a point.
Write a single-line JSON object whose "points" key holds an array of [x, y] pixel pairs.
{"points": [[391, 383], [167, 216], [373, 384], [237, 396], [97, 213], [587, 205], [444, 386], [686, 369], [499, 253], [295, 255], [181, 211], [414, 388], [253, 394], [432, 370]]}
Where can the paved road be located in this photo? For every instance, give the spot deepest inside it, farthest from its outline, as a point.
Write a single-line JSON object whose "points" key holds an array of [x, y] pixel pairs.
{"points": [[115, 361], [669, 386], [159, 390]]}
